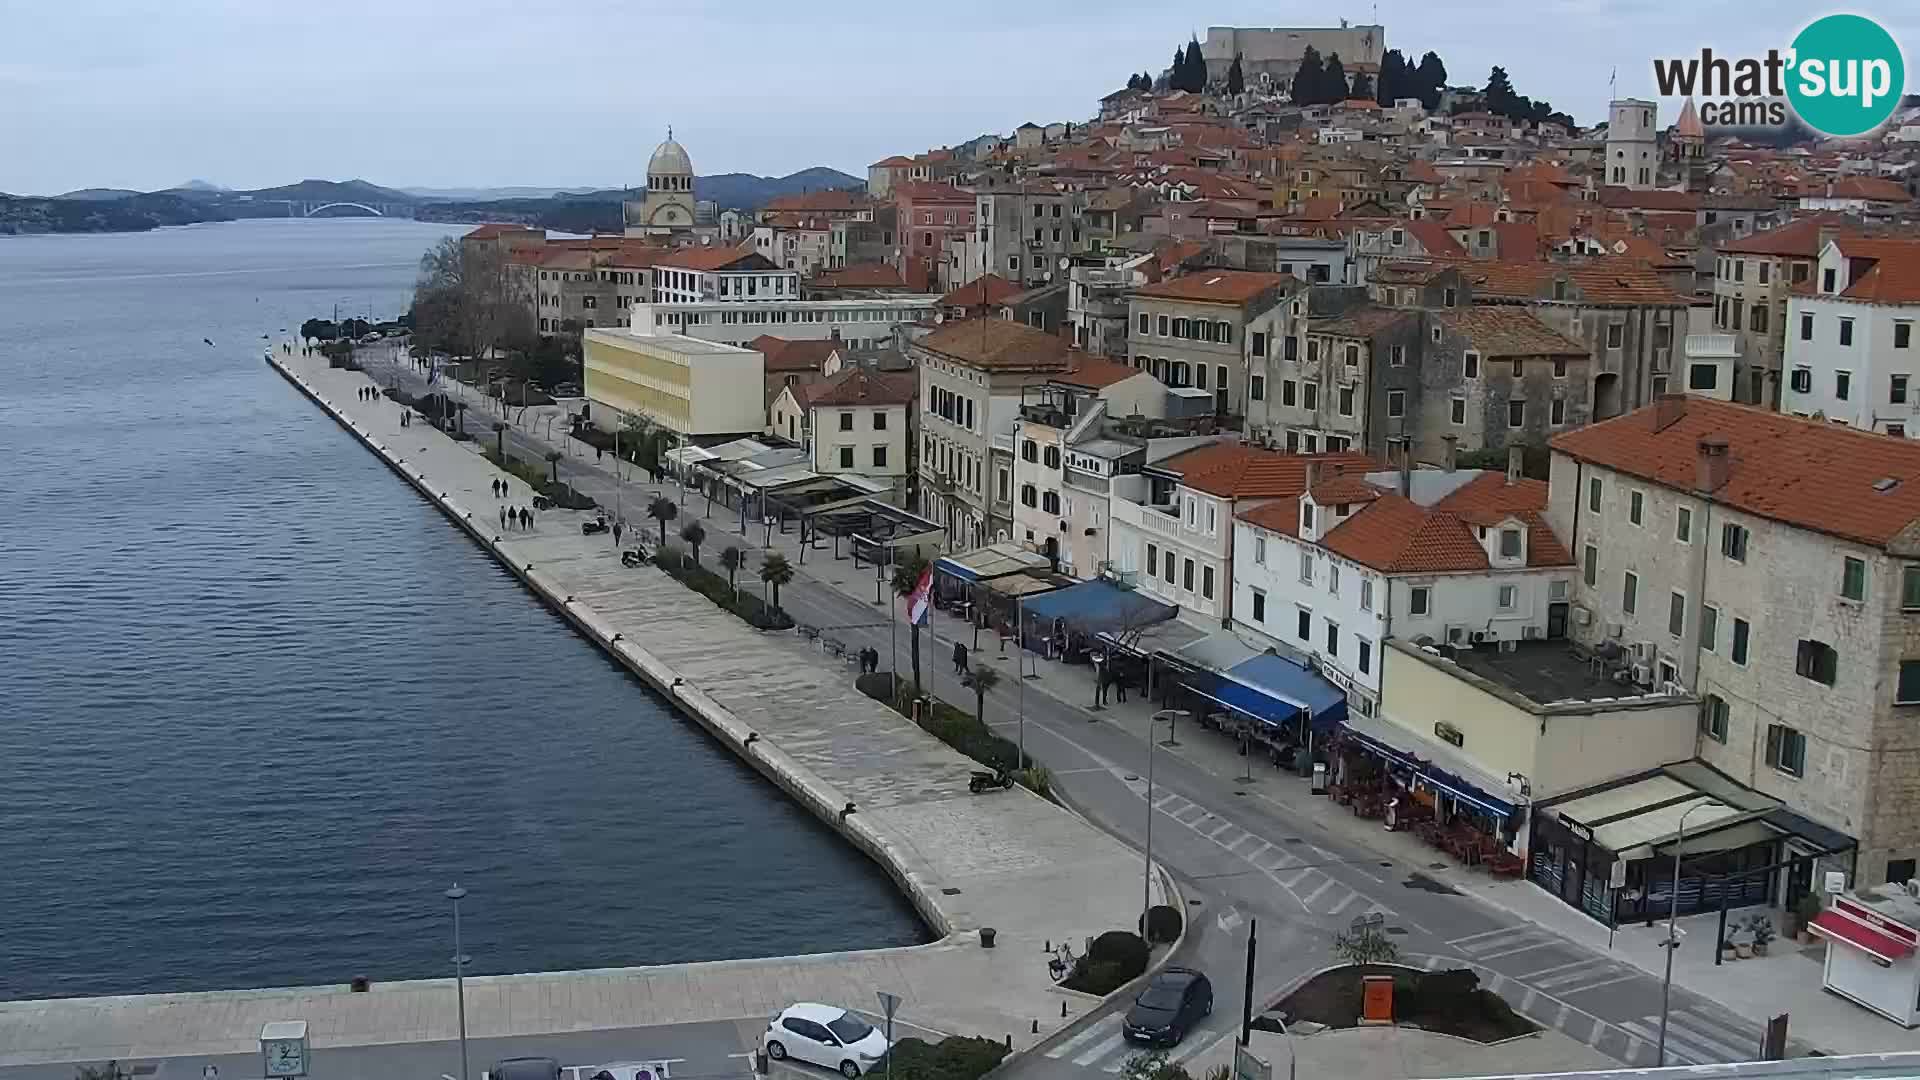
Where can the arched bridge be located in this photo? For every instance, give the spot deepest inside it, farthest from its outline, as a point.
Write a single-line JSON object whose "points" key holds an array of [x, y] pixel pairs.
{"points": [[374, 210], [299, 208]]}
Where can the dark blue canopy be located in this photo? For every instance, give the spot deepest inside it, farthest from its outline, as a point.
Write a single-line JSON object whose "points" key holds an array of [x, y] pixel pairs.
{"points": [[1095, 606], [1277, 689]]}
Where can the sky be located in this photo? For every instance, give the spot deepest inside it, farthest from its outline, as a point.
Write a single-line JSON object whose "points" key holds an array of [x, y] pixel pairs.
{"points": [[437, 93]]}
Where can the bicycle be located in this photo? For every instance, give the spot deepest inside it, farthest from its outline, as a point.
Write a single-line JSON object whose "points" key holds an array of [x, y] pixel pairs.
{"points": [[1061, 962]]}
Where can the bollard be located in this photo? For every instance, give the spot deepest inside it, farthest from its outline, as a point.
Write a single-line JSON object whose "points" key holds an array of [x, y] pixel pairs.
{"points": [[1009, 1040], [986, 937], [1063, 1008], [359, 985], [1035, 1030]]}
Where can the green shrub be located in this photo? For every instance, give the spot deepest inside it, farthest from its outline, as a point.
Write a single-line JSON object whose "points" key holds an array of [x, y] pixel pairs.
{"points": [[747, 606], [957, 1057], [1114, 959], [1092, 978], [1163, 924]]}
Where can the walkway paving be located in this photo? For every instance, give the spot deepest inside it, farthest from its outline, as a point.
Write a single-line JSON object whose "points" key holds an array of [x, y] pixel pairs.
{"points": [[1011, 861]]}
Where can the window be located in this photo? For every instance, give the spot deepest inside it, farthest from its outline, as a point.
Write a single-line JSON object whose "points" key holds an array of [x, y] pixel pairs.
{"points": [[1310, 396], [846, 457], [1333, 577], [1842, 384], [1366, 594], [1146, 323], [1396, 403], [1420, 600], [1801, 380], [1333, 638], [1590, 566], [1223, 332], [1257, 387], [1517, 370], [1509, 543], [1616, 333], [1853, 578], [1630, 593], [1303, 628], [1397, 355], [1738, 652], [1846, 331], [1900, 871], [1186, 574], [1206, 582], [1457, 411], [1346, 400], [1897, 390], [1559, 367], [1516, 413], [1636, 507], [1260, 551], [1907, 690], [1470, 364], [1557, 412], [1164, 322], [1786, 747], [1593, 495], [1816, 660], [1733, 542], [1153, 560], [1677, 615], [1826, 280], [1713, 718], [1353, 356], [846, 421], [1366, 652], [1306, 567], [1910, 588], [1507, 597], [1758, 318], [1709, 627], [1806, 327], [1902, 335], [1450, 297], [1287, 387]]}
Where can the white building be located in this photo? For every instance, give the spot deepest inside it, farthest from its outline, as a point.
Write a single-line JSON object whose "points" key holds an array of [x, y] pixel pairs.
{"points": [[1767, 565], [668, 207], [1633, 158], [721, 275], [1459, 557], [865, 323], [1850, 350], [856, 422]]}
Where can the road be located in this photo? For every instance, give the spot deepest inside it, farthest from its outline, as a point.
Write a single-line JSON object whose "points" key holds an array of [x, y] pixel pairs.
{"points": [[1242, 851]]}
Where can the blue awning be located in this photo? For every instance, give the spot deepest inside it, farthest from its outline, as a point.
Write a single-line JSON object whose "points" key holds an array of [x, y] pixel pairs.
{"points": [[948, 566], [1433, 765], [1094, 606], [1283, 689]]}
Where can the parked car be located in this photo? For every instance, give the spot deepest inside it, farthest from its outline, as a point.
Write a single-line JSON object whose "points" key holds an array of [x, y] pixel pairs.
{"points": [[1175, 999], [824, 1035], [525, 1068]]}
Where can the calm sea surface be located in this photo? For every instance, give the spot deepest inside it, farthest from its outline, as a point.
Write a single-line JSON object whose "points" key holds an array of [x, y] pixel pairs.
{"points": [[260, 705]]}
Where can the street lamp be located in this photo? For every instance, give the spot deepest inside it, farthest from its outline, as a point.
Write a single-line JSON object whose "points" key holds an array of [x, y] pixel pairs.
{"points": [[457, 894], [1146, 874], [1673, 942]]}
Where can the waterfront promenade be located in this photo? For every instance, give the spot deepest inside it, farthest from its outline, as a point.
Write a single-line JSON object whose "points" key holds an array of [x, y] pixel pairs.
{"points": [[1010, 861]]}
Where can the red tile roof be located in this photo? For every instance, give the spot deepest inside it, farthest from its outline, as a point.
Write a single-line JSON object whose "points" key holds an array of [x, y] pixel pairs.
{"points": [[1394, 535], [897, 161], [1629, 199], [1807, 473], [495, 230], [1500, 330], [1093, 373], [859, 276], [820, 202], [1235, 470], [987, 289], [863, 386], [1433, 236], [714, 258], [1217, 286], [998, 344], [783, 354], [1800, 237], [1894, 277]]}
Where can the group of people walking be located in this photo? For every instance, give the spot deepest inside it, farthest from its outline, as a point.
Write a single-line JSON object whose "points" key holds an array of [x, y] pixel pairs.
{"points": [[511, 517], [869, 660], [369, 393]]}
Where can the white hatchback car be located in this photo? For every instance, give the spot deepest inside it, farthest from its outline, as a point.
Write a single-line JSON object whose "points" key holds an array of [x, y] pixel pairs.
{"points": [[824, 1035]]}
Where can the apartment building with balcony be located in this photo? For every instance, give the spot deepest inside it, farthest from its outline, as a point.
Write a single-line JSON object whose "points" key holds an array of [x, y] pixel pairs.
{"points": [[1752, 279], [1851, 357], [1024, 231], [1209, 329], [1767, 565], [1099, 296]]}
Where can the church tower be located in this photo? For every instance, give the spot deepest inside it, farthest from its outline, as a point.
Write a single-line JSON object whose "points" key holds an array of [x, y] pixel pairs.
{"points": [[667, 209], [1631, 161]]}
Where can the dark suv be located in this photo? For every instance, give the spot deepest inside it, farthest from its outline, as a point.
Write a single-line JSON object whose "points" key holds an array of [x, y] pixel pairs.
{"points": [[1175, 999]]}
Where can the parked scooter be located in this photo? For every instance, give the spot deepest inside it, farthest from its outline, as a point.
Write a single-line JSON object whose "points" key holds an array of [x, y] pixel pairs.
{"points": [[594, 527], [980, 780], [633, 557]]}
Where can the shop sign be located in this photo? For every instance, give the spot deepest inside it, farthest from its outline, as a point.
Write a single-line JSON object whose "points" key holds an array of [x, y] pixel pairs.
{"points": [[1447, 733]]}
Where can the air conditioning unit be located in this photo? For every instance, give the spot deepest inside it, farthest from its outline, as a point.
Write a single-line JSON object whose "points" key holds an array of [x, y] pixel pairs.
{"points": [[1614, 631], [1644, 652], [1510, 645], [1642, 674], [1582, 616], [1481, 636], [1456, 634], [1531, 633], [1673, 688], [1913, 888]]}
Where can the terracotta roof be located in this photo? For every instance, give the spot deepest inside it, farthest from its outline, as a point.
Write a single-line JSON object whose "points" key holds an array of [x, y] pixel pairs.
{"points": [[1499, 330], [1359, 322], [1397, 536], [859, 275], [1799, 237], [1627, 198], [1217, 286], [783, 354], [984, 290], [861, 386], [1093, 373], [1808, 473], [825, 201], [897, 161], [1602, 281], [998, 344], [1433, 236], [1235, 470], [1894, 277], [494, 230], [1871, 188], [1346, 487]]}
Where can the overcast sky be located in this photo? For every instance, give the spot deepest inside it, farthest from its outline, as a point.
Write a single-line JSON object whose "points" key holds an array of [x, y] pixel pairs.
{"points": [[252, 93]]}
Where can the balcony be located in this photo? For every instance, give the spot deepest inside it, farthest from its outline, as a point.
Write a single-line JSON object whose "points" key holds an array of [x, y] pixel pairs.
{"points": [[1718, 346], [1051, 416], [1153, 520]]}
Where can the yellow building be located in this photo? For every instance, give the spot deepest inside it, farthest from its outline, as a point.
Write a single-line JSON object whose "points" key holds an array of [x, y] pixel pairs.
{"points": [[691, 387]]}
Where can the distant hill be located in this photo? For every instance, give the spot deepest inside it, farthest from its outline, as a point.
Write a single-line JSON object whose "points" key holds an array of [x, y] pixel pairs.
{"points": [[136, 213], [600, 211], [98, 194], [329, 191], [197, 185], [748, 192], [490, 193]]}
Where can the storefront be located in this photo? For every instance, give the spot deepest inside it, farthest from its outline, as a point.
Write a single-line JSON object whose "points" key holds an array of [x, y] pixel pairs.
{"points": [[1066, 623], [1429, 788], [957, 578], [1872, 937]]}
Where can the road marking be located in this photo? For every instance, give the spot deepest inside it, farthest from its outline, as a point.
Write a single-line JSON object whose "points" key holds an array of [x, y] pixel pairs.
{"points": [[1582, 962], [1588, 969], [1195, 1046], [1224, 826], [1102, 1049], [1289, 882], [1342, 905], [1315, 895], [1164, 801], [1710, 1034], [1477, 937], [1483, 957], [1630, 977], [1678, 1053], [1560, 1018], [1244, 837], [1285, 862], [1380, 909], [1265, 849], [1081, 1038], [1529, 1002]]}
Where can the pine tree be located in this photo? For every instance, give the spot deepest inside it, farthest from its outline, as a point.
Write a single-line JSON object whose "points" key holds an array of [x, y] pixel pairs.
{"points": [[1307, 79], [1335, 87], [1393, 77], [1146, 81], [1236, 79], [1362, 87], [1501, 100], [1430, 78], [1196, 67], [1176, 75]]}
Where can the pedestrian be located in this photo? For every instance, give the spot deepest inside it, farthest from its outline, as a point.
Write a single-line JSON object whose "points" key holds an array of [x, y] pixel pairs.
{"points": [[598, 454], [503, 517], [617, 530], [1119, 689], [959, 658], [1101, 680], [526, 518], [872, 657]]}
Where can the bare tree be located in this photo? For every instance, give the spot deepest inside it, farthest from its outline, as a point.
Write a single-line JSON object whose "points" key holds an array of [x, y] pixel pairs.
{"points": [[466, 301]]}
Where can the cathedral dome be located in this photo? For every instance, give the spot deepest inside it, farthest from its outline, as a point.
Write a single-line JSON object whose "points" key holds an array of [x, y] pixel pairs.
{"points": [[670, 159]]}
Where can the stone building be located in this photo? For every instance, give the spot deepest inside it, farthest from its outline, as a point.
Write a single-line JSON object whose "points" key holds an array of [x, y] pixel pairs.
{"points": [[1272, 54], [668, 207], [1212, 330]]}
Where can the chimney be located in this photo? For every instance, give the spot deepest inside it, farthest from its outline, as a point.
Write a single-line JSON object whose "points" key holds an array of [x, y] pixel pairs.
{"points": [[1406, 466], [1516, 461], [1667, 411], [1712, 467], [1313, 474], [1453, 443]]}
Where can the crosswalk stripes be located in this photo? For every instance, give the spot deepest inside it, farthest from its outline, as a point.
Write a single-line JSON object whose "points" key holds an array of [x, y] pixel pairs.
{"points": [[1103, 1045], [1691, 1039]]}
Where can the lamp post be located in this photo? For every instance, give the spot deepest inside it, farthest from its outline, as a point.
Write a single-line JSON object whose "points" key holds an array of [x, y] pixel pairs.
{"points": [[1672, 943], [457, 894], [1146, 874]]}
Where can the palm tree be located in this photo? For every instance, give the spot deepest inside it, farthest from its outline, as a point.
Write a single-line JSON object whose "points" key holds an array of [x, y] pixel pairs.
{"points": [[733, 559], [662, 510], [553, 462], [460, 415], [694, 534], [500, 441], [775, 572], [906, 579], [984, 680]]}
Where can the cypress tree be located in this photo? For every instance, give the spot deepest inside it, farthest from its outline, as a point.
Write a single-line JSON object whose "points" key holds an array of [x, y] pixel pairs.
{"points": [[1334, 88], [1236, 79], [1308, 79]]}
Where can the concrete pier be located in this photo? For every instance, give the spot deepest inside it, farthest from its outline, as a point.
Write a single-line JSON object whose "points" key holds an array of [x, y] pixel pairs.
{"points": [[1032, 871]]}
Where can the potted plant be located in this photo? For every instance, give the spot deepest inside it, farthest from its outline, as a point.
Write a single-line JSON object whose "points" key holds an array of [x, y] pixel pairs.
{"points": [[1806, 909], [1727, 951], [1762, 929]]}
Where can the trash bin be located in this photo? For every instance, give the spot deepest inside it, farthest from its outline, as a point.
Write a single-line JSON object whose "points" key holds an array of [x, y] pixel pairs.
{"points": [[1319, 778], [986, 937]]}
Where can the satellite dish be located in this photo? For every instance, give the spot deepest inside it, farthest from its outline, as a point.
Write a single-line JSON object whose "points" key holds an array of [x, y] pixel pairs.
{"points": [[1065, 262]]}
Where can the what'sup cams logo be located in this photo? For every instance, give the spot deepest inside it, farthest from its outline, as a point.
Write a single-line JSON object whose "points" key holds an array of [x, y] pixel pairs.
{"points": [[1843, 76]]}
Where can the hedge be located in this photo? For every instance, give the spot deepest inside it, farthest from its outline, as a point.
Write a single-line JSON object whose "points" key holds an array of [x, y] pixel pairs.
{"points": [[538, 477], [694, 576], [1115, 958], [957, 1057]]}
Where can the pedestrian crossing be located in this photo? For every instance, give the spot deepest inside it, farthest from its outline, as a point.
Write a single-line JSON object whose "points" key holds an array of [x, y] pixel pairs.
{"points": [[1102, 1046], [1300, 869], [1692, 1039]]}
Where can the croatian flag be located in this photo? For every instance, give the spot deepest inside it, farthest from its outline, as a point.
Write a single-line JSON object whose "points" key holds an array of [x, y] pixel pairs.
{"points": [[920, 602]]}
